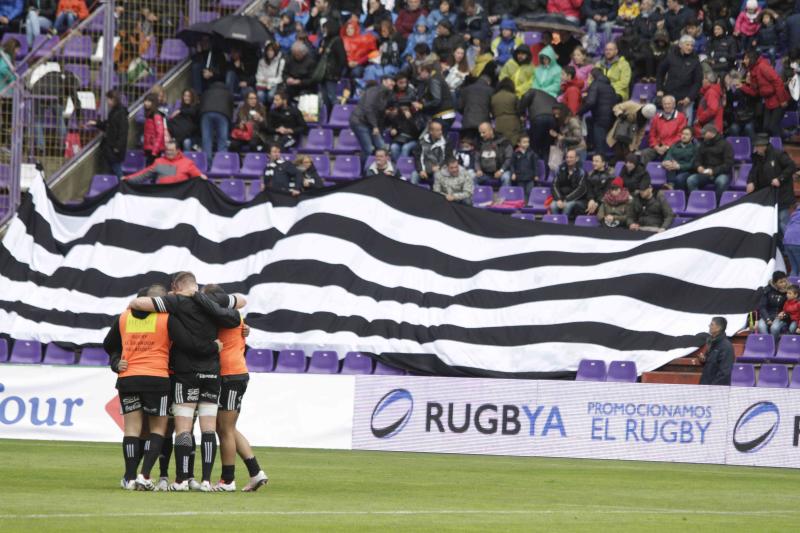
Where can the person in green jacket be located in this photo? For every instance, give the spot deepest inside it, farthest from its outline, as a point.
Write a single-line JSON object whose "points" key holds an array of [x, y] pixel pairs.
{"points": [[617, 70], [520, 70], [7, 54], [547, 77], [678, 160]]}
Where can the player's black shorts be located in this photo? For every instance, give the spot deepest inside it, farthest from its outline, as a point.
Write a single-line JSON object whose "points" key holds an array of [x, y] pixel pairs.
{"points": [[153, 403], [230, 399], [194, 388]]}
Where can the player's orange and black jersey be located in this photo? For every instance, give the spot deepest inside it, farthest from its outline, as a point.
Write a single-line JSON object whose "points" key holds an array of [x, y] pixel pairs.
{"points": [[231, 358], [145, 344]]}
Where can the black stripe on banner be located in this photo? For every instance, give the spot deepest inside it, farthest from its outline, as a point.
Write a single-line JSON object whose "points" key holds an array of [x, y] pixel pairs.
{"points": [[429, 364], [58, 318], [596, 333]]}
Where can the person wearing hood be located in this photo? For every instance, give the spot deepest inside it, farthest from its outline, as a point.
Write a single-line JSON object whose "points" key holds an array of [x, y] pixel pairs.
{"points": [[569, 8], [628, 131], [519, 70], [763, 81], [287, 33], [711, 106], [599, 14], [332, 51], [504, 110], [446, 41], [721, 49], [599, 101], [616, 69], [420, 35], [571, 89], [773, 169], [665, 130], [654, 53], [357, 46], [547, 77], [504, 44], [408, 17], [748, 23], [616, 210], [713, 162], [443, 12]]}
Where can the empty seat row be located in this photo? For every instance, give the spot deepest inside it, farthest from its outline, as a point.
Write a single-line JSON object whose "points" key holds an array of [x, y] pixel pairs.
{"points": [[774, 376], [320, 362], [617, 371], [760, 348], [30, 352]]}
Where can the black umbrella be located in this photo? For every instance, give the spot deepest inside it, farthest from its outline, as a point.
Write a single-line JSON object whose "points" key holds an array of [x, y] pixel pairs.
{"points": [[548, 22], [61, 84], [195, 33], [243, 29]]}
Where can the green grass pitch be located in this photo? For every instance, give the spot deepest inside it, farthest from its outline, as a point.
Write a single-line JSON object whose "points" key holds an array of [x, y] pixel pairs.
{"points": [[51, 486]]}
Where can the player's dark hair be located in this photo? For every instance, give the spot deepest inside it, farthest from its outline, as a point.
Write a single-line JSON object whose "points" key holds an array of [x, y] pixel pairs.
{"points": [[212, 288]]}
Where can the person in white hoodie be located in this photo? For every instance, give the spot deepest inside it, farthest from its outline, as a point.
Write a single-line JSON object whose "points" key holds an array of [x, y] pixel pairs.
{"points": [[269, 73]]}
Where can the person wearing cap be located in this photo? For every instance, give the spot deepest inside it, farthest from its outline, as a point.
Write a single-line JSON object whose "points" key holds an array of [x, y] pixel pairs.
{"points": [[570, 187], [616, 211], [446, 40], [713, 162], [665, 130], [773, 168], [628, 131], [681, 75], [504, 44], [651, 211]]}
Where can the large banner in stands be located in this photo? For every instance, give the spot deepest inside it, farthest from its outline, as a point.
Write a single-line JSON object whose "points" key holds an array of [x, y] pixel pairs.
{"points": [[81, 404], [674, 423]]}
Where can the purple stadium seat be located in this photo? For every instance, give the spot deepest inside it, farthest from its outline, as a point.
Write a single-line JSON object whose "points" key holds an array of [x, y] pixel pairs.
{"points": [[758, 348], [23, 43], [291, 362], [524, 216], [700, 202], [323, 165], [3, 350], [224, 165], [591, 370], [77, 47], [790, 121], [234, 189], [545, 177], [101, 183], [679, 221], [658, 176], [739, 179], [730, 197], [536, 200], [199, 159], [56, 355], [646, 90], [743, 375], [587, 166], [622, 372], [618, 167], [346, 143], [93, 357], [346, 168], [324, 362], [555, 219], [457, 123], [386, 370], [26, 352], [97, 23], [231, 4], [151, 53], [776, 143], [794, 280], [587, 221], [318, 141], [134, 162], [788, 350], [260, 360], [173, 51], [357, 363], [773, 376], [253, 188], [482, 196], [794, 383], [43, 45], [676, 200], [340, 116], [509, 194], [405, 166], [253, 166], [741, 148]]}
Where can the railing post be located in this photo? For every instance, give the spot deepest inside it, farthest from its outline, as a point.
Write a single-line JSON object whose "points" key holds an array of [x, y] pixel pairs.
{"points": [[107, 66], [194, 11], [17, 141]]}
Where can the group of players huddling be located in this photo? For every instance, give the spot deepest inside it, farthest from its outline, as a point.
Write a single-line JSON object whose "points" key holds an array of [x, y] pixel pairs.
{"points": [[182, 353]]}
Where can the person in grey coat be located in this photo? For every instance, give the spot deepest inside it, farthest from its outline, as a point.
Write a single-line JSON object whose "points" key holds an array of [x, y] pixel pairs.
{"points": [[475, 105], [718, 356]]}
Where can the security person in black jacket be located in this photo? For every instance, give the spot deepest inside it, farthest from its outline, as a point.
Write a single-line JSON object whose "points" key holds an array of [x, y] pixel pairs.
{"points": [[772, 168], [718, 356]]}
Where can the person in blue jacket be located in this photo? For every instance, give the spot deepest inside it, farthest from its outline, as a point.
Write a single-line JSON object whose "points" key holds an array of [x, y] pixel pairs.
{"points": [[504, 45], [10, 11], [421, 34]]}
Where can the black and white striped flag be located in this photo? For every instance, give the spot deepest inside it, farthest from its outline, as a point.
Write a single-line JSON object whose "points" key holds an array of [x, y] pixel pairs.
{"points": [[384, 267]]}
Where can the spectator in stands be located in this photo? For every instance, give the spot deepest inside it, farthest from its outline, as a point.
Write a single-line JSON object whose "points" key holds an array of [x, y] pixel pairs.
{"points": [[443, 12], [458, 69], [154, 129], [390, 44], [309, 177], [357, 47], [519, 70], [403, 88], [495, 156], [454, 182], [285, 125], [382, 166], [473, 22], [248, 126], [651, 211], [679, 160], [525, 165], [665, 130], [184, 122], [172, 167], [722, 49], [598, 182], [241, 71], [582, 65], [8, 51], [538, 105], [368, 118], [280, 174], [599, 14], [446, 40], [617, 70], [216, 110], [718, 356], [763, 81], [503, 45], [634, 174], [711, 107], [773, 168], [790, 313], [571, 89], [332, 52], [376, 13], [431, 154], [39, 18], [475, 104], [634, 49], [115, 129], [616, 210], [435, 100], [68, 13], [569, 8], [713, 162], [791, 242], [421, 34], [405, 127], [467, 154], [747, 24], [269, 73], [481, 58], [646, 21], [208, 65], [568, 133], [773, 296], [504, 110], [547, 76], [298, 71], [768, 39], [321, 12], [628, 131], [600, 101], [676, 18], [570, 188], [286, 32], [739, 116], [407, 17], [655, 50], [161, 96], [681, 75], [10, 12], [630, 10]]}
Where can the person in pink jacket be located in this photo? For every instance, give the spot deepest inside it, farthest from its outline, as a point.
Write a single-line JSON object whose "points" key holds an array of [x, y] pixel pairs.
{"points": [[747, 23]]}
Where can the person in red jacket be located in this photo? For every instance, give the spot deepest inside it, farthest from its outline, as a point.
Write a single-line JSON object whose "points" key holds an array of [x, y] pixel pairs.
{"points": [[763, 81], [569, 8], [68, 13], [407, 18], [571, 88], [711, 106], [790, 314], [665, 130], [172, 167], [357, 46], [154, 129]]}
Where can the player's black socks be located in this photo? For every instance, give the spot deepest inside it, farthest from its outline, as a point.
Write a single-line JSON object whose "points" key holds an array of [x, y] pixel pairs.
{"points": [[130, 450], [183, 450], [142, 448], [228, 474], [165, 456], [208, 443], [153, 451], [191, 457], [252, 466]]}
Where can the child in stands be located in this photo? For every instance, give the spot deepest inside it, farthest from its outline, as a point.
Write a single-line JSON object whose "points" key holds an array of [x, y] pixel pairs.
{"points": [[791, 309]]}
